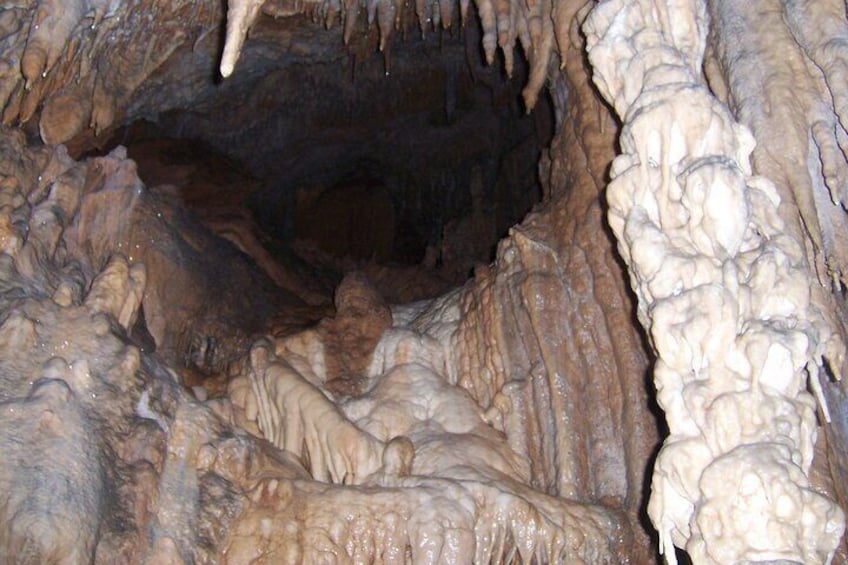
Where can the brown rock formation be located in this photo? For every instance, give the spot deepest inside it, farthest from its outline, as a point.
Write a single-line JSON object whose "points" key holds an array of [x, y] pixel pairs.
{"points": [[176, 387]]}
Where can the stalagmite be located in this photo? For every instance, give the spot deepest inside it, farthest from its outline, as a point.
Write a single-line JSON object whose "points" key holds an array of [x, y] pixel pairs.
{"points": [[415, 432], [725, 294], [117, 291], [297, 418]]}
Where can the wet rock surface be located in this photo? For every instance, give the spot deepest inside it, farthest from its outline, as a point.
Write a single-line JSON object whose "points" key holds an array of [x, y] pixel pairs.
{"points": [[204, 359]]}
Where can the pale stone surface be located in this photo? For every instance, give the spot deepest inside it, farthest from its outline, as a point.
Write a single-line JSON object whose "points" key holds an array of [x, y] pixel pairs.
{"points": [[145, 360], [724, 291]]}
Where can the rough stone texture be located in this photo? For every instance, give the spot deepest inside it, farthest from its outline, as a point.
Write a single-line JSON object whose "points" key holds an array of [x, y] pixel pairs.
{"points": [[102, 444], [798, 148], [57, 62], [725, 291], [352, 334], [192, 306], [546, 335], [152, 343]]}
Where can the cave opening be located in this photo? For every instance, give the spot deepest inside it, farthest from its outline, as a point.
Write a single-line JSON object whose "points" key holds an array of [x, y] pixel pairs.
{"points": [[345, 164], [263, 321]]}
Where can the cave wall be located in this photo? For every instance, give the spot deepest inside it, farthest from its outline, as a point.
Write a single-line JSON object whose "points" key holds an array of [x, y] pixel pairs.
{"points": [[545, 338], [166, 477], [551, 322]]}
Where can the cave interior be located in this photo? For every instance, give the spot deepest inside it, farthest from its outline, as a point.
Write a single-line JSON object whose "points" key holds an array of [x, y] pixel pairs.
{"points": [[395, 281]]}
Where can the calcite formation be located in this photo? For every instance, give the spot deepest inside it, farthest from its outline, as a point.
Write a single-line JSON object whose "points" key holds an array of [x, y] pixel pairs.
{"points": [[725, 294], [178, 386], [54, 64], [112, 424], [411, 429]]}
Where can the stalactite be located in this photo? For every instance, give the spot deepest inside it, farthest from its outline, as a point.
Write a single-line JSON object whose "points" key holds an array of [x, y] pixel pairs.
{"points": [[52, 52], [463, 10], [332, 12], [504, 25], [371, 10], [725, 294], [386, 20], [50, 30], [240, 16], [488, 21], [421, 9], [351, 15], [541, 58], [399, 12], [535, 24], [446, 13], [800, 147]]}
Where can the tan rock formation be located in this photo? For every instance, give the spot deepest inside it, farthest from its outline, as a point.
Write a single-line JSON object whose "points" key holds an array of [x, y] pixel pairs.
{"points": [[175, 386]]}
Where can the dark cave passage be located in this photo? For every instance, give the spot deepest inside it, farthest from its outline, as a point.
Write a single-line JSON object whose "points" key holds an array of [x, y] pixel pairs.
{"points": [[414, 190], [346, 165]]}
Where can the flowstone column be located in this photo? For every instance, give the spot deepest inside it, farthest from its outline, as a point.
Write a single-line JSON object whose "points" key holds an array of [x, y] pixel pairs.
{"points": [[724, 295]]}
